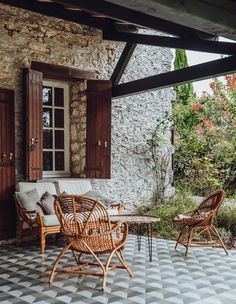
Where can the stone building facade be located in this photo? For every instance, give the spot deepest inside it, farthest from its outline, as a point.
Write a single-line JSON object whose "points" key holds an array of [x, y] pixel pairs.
{"points": [[27, 37]]}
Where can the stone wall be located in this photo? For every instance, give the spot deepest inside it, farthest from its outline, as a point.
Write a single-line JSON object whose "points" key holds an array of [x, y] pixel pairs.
{"points": [[78, 129], [27, 36], [133, 120]]}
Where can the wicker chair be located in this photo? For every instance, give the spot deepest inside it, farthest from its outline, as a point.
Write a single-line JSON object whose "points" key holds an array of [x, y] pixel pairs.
{"points": [[201, 220], [32, 223], [86, 226]]}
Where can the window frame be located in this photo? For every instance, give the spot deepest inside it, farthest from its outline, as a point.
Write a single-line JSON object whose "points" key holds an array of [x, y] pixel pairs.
{"points": [[98, 157], [59, 173]]}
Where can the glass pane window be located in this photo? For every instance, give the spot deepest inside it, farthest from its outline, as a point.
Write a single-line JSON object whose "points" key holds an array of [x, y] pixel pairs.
{"points": [[59, 139], [59, 118], [47, 95], [47, 161], [59, 97], [47, 117], [55, 129], [59, 161], [47, 139]]}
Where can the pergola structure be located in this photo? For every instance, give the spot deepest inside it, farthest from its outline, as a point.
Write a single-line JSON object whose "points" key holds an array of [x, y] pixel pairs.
{"points": [[189, 24]]}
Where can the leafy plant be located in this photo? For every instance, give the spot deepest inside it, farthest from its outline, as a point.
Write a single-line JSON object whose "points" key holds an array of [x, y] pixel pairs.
{"points": [[205, 140], [182, 202], [161, 151], [176, 205], [183, 91]]}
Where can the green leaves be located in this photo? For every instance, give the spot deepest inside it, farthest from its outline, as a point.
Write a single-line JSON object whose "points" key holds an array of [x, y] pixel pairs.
{"points": [[184, 92], [205, 139]]}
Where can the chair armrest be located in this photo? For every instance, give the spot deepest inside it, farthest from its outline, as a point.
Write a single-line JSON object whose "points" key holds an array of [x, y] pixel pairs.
{"points": [[117, 205], [190, 212], [114, 228], [31, 217], [117, 226], [194, 219]]}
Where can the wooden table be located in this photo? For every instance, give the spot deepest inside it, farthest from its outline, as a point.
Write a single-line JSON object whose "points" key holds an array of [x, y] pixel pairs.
{"points": [[138, 220]]}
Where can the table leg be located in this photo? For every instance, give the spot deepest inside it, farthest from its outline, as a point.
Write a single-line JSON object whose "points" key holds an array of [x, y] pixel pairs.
{"points": [[139, 233], [149, 233]]}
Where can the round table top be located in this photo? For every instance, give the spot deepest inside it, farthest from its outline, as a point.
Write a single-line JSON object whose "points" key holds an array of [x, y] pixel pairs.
{"points": [[134, 219]]}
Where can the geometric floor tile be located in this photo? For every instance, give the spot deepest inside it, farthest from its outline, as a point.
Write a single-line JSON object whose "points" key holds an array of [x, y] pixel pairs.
{"points": [[206, 276]]}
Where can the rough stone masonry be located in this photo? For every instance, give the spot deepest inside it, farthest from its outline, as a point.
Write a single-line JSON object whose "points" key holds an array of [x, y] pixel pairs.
{"points": [[27, 36]]}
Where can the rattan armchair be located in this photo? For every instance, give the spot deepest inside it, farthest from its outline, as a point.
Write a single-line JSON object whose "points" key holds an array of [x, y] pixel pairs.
{"points": [[31, 223], [200, 220], [86, 226]]}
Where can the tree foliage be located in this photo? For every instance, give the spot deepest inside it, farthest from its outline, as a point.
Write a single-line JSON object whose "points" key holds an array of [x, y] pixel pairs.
{"points": [[183, 91], [205, 139]]}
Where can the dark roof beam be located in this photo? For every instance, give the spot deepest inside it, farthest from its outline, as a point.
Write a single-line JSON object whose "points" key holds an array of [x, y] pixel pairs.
{"points": [[228, 48], [189, 74], [122, 63], [118, 12]]}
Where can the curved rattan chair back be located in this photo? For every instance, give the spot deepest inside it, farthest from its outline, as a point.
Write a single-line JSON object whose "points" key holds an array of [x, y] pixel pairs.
{"points": [[212, 202], [86, 225], [83, 217], [201, 219]]}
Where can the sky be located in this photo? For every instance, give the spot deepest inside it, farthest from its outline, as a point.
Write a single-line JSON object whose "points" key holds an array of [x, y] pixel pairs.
{"points": [[200, 57], [196, 58]]}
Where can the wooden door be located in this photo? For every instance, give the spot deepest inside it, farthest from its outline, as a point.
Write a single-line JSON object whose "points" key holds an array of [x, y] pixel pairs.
{"points": [[7, 168], [98, 132], [34, 130]]}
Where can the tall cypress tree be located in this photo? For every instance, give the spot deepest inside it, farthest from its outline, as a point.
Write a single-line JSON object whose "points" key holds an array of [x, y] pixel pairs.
{"points": [[183, 91]]}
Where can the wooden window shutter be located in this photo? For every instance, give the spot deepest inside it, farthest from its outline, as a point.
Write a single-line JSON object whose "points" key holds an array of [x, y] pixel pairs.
{"points": [[7, 165], [34, 138], [98, 131]]}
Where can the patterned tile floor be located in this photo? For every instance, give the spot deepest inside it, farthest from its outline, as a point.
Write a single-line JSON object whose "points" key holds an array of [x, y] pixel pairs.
{"points": [[207, 276]]}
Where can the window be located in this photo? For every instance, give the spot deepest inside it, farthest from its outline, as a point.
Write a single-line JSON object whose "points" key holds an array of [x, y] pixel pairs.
{"points": [[48, 139], [55, 129]]}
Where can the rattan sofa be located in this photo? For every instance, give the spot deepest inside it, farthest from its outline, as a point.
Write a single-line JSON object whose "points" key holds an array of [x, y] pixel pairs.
{"points": [[32, 220]]}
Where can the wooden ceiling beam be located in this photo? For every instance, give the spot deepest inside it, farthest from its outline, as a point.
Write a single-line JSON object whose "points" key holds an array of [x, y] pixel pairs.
{"points": [[118, 12], [185, 75], [122, 63], [57, 11], [228, 48]]}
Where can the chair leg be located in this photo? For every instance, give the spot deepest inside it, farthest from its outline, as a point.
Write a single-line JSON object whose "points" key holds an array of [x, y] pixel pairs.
{"points": [[77, 259], [189, 241], [179, 237], [209, 234], [42, 241], [20, 235], [219, 238], [104, 271], [104, 281], [63, 251], [123, 262]]}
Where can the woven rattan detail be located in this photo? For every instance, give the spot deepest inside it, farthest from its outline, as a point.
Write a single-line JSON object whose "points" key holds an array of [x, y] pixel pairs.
{"points": [[199, 221], [86, 225]]}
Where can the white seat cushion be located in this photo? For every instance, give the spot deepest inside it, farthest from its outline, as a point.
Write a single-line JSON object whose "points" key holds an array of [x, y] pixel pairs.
{"points": [[50, 220], [77, 187], [40, 187]]}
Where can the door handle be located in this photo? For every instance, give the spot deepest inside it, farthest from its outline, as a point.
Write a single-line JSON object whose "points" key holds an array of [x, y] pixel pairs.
{"points": [[105, 144], [34, 142]]}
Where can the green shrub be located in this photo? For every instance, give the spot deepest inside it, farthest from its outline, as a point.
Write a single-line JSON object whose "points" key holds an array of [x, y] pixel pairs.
{"points": [[167, 211], [225, 221], [205, 139]]}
